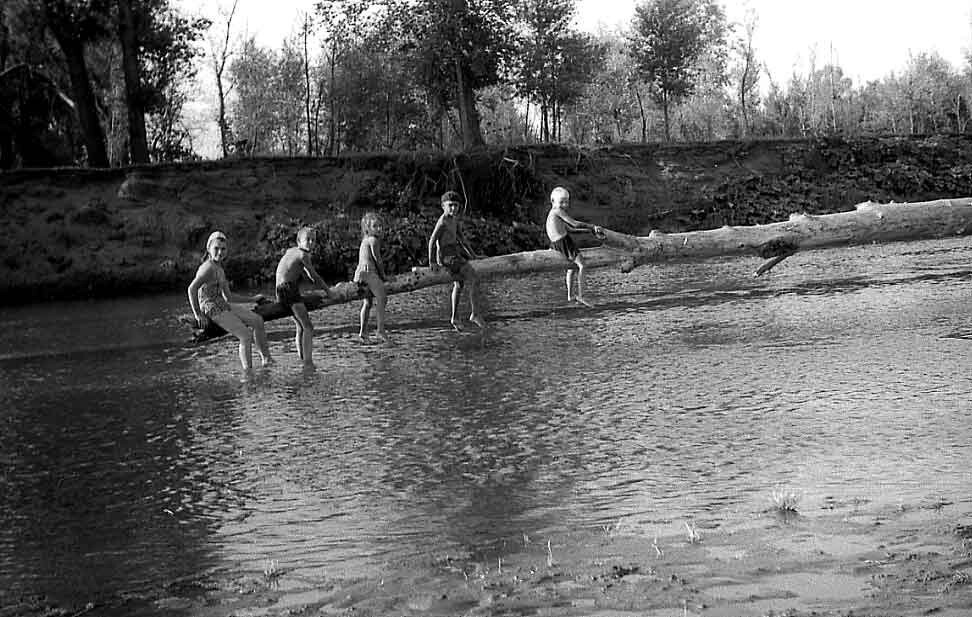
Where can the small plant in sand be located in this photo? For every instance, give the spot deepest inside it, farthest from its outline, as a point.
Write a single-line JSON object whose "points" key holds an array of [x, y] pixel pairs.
{"points": [[785, 500], [694, 535], [271, 572]]}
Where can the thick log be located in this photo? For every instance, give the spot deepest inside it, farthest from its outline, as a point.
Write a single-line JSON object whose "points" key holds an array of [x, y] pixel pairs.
{"points": [[867, 223]]}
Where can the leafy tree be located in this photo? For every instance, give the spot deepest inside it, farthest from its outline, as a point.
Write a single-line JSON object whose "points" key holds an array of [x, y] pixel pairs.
{"points": [[745, 74], [455, 47], [76, 24], [221, 56], [668, 40], [611, 101], [167, 51]]}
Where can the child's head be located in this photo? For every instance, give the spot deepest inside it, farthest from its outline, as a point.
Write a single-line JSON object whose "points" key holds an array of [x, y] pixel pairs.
{"points": [[370, 224], [451, 202], [306, 237], [559, 197], [216, 245]]}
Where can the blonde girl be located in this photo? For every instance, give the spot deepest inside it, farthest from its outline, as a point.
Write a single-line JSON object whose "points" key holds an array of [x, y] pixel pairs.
{"points": [[209, 297], [370, 275]]}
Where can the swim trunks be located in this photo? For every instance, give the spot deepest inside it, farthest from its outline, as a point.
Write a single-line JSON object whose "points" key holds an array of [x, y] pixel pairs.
{"points": [[565, 246], [458, 266], [288, 294]]}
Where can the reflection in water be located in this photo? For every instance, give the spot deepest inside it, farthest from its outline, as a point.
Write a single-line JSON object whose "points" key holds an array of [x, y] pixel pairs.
{"points": [[689, 393]]}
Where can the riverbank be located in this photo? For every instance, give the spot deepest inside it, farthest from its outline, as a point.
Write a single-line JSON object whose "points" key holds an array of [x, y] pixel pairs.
{"points": [[96, 233], [842, 559]]}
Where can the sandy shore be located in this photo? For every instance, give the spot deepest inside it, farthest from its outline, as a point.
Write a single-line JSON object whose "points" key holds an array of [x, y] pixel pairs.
{"points": [[840, 559]]}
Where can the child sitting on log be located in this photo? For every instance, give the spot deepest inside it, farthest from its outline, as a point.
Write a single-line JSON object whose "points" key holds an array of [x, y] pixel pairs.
{"points": [[209, 297], [294, 266], [448, 249], [371, 276], [559, 224]]}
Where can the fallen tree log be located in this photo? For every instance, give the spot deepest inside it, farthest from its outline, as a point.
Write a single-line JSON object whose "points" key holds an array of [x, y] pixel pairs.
{"points": [[868, 223]]}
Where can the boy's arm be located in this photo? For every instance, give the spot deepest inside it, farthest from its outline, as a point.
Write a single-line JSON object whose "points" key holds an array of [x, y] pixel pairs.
{"points": [[312, 274], [575, 224], [461, 241], [433, 244]]}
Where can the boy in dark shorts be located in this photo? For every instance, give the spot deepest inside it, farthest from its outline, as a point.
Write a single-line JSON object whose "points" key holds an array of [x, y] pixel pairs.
{"points": [[448, 249], [559, 223], [294, 266]]}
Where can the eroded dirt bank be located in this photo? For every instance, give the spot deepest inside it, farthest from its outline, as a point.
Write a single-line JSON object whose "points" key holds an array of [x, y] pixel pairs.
{"points": [[81, 233]]}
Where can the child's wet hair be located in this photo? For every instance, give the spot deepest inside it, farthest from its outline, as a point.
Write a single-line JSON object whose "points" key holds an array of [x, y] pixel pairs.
{"points": [[559, 191], [370, 222]]}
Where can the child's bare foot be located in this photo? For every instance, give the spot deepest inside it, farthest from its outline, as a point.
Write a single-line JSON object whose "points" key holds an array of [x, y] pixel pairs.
{"points": [[363, 337], [476, 319], [584, 301], [456, 325]]}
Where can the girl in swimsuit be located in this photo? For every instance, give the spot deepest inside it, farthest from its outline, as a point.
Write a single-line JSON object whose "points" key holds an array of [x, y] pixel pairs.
{"points": [[209, 297], [370, 275]]}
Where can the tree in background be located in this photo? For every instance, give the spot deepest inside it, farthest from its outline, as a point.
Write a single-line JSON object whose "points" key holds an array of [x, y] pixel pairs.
{"points": [[76, 24], [744, 75], [128, 35], [221, 54], [669, 39], [455, 48], [554, 62]]}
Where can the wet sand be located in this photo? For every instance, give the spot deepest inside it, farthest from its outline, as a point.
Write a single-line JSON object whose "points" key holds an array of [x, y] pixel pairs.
{"points": [[840, 559]]}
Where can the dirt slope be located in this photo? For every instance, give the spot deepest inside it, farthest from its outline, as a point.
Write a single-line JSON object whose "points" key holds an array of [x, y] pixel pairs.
{"points": [[71, 232]]}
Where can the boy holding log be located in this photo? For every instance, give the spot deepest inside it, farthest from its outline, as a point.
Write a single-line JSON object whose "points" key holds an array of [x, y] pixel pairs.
{"points": [[559, 223]]}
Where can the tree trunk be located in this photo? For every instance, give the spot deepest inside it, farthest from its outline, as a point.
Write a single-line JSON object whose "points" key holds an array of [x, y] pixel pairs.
{"points": [[868, 222], [644, 116], [128, 35], [307, 87], [668, 121], [84, 98], [472, 135]]}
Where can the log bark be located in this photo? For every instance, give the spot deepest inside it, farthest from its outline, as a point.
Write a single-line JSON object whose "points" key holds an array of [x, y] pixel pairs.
{"points": [[867, 223]]}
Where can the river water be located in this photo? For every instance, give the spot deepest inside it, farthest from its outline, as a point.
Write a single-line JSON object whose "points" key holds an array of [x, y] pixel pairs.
{"points": [[129, 459]]}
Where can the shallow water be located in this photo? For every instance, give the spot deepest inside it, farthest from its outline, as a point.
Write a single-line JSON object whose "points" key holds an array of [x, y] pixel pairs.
{"points": [[129, 460]]}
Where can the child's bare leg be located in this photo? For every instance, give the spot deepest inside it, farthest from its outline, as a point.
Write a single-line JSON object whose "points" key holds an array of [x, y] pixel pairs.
{"points": [[231, 322], [570, 283], [381, 300], [255, 323], [475, 315], [306, 331], [580, 281], [363, 319], [299, 338], [456, 293]]}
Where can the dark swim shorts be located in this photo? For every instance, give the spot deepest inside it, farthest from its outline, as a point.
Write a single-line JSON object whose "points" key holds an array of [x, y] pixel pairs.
{"points": [[458, 266], [288, 294], [566, 247]]}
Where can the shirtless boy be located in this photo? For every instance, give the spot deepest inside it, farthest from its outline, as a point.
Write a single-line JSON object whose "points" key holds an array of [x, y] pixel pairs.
{"points": [[448, 249], [295, 266]]}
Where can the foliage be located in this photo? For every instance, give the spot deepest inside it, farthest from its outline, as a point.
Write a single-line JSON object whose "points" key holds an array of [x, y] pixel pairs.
{"points": [[671, 41], [554, 62], [454, 48]]}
